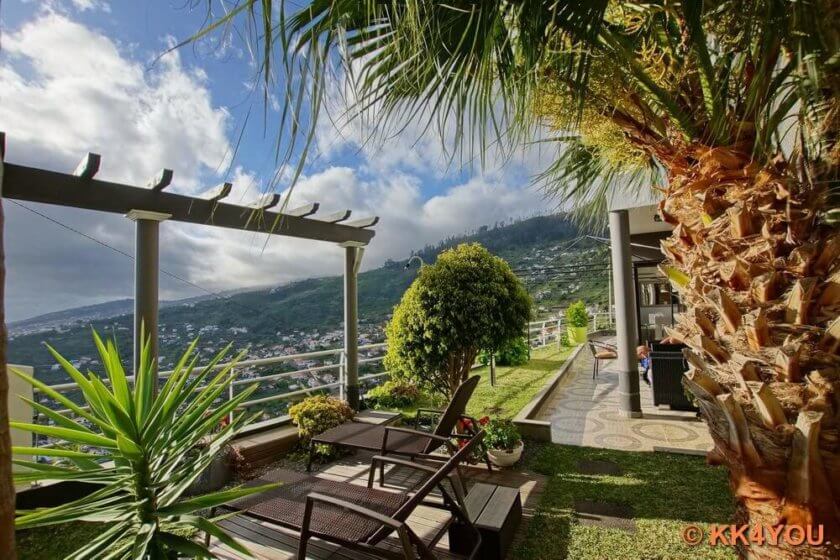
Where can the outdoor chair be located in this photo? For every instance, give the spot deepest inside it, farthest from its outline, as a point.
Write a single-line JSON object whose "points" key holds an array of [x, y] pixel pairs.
{"points": [[413, 443], [601, 351], [359, 517]]}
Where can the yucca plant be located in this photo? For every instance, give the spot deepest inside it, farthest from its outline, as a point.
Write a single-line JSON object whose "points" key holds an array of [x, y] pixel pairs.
{"points": [[142, 447], [728, 108]]}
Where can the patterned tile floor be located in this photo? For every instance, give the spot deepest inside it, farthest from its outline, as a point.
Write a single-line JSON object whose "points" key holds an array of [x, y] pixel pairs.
{"points": [[584, 411]]}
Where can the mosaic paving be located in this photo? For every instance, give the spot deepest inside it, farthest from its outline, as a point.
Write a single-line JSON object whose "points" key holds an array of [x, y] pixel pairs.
{"points": [[584, 411]]}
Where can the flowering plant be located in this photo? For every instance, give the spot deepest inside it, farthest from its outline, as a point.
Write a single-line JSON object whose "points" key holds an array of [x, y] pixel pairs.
{"points": [[502, 434]]}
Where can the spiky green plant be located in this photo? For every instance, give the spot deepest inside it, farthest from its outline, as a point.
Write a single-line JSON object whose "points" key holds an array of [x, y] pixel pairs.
{"points": [[142, 447]]}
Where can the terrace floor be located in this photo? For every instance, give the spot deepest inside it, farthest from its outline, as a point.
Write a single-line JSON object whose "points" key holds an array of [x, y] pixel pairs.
{"points": [[270, 542], [584, 411]]}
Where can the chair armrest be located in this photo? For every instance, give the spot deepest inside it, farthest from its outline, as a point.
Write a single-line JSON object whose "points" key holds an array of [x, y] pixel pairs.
{"points": [[315, 497], [417, 433], [429, 410], [604, 345], [402, 462], [421, 411]]}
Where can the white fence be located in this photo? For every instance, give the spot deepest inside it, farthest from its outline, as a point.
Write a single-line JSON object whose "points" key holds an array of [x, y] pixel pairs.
{"points": [[549, 331]]}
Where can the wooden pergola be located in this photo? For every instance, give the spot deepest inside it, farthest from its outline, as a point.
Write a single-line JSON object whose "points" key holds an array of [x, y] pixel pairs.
{"points": [[152, 203]]}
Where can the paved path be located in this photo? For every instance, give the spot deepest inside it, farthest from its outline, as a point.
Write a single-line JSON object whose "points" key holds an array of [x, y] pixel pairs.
{"points": [[584, 411]]}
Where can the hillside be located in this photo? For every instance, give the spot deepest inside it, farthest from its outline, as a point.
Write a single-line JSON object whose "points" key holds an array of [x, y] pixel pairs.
{"points": [[307, 315]]}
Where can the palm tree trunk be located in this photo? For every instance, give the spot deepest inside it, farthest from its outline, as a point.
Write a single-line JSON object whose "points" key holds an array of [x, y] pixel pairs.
{"points": [[761, 281], [7, 488]]}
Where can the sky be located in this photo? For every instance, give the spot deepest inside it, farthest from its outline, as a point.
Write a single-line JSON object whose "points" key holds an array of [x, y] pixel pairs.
{"points": [[88, 76]]}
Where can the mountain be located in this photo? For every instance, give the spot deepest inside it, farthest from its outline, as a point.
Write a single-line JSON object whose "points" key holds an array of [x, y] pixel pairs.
{"points": [[556, 264]]}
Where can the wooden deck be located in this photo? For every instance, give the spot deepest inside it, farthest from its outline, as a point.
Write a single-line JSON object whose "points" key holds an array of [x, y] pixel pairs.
{"points": [[270, 542]]}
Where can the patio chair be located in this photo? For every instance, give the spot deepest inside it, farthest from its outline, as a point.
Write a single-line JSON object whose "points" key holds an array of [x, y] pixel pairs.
{"points": [[359, 517], [403, 441], [601, 351]]}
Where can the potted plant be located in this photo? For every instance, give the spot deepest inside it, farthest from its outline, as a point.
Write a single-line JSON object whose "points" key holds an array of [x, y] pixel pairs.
{"points": [[577, 321], [503, 441]]}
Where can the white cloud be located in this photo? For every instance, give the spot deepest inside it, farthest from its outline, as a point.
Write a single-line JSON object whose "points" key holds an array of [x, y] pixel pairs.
{"points": [[86, 5], [68, 89]]}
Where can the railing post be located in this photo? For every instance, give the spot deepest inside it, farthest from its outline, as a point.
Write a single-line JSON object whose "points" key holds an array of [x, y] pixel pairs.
{"points": [[342, 376], [230, 398]]}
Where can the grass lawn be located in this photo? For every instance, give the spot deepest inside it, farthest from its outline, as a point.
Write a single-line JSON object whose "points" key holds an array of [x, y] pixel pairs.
{"points": [[51, 543], [59, 541], [665, 491], [515, 385]]}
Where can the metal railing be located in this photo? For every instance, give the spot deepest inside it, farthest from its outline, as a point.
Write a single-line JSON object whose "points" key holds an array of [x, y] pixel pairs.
{"points": [[549, 331], [245, 369], [539, 334]]}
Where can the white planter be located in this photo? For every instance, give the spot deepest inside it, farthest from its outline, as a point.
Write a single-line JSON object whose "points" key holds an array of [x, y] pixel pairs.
{"points": [[504, 458]]}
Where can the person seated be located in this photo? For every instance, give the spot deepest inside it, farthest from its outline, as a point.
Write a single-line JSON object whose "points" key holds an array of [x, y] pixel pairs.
{"points": [[643, 354]]}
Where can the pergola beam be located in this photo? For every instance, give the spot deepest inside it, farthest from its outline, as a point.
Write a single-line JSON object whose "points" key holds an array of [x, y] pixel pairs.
{"points": [[266, 201], [303, 211], [370, 221], [336, 217], [63, 189], [88, 167], [160, 181]]}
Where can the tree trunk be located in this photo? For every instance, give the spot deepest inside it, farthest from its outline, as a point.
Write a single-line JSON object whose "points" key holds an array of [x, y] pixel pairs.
{"points": [[7, 488], [761, 282]]}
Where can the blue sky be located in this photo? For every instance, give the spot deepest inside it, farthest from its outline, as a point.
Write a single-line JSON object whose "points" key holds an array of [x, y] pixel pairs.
{"points": [[79, 75]]}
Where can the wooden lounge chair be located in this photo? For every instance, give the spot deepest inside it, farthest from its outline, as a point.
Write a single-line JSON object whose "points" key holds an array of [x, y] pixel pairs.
{"points": [[359, 517], [403, 441]]}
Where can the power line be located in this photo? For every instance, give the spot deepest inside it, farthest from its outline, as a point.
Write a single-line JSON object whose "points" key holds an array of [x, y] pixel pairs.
{"points": [[217, 295]]}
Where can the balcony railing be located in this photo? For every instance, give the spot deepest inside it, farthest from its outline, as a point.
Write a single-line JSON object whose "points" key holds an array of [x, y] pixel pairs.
{"points": [[246, 369], [549, 331], [540, 334]]}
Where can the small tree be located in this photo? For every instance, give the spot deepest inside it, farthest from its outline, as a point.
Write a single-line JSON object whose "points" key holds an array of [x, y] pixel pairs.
{"points": [[576, 315], [467, 301]]}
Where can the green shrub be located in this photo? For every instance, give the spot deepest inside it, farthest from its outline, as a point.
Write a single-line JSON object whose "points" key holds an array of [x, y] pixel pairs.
{"points": [[576, 315], [315, 415], [466, 301], [564, 339], [512, 353], [395, 393], [501, 434]]}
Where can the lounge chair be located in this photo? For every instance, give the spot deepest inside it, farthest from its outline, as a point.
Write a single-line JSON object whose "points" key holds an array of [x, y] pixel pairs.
{"points": [[601, 351], [403, 441], [359, 517]]}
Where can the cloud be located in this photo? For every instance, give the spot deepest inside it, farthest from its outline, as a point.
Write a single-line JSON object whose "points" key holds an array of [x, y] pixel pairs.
{"points": [[69, 88]]}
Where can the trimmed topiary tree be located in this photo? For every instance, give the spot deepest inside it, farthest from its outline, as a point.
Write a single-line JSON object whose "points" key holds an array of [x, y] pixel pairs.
{"points": [[467, 301]]}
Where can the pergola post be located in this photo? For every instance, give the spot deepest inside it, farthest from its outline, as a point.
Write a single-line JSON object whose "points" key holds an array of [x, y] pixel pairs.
{"points": [[146, 281], [352, 261], [625, 314]]}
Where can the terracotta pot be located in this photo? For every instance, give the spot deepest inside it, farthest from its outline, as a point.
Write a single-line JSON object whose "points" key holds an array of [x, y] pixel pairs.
{"points": [[504, 458]]}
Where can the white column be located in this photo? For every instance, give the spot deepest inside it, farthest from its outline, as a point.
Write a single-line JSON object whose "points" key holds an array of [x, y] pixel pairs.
{"points": [[146, 281]]}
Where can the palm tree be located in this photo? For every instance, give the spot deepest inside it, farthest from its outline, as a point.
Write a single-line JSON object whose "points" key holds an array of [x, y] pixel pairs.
{"points": [[729, 107]]}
